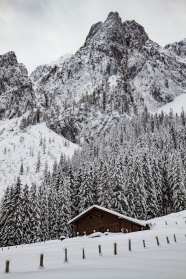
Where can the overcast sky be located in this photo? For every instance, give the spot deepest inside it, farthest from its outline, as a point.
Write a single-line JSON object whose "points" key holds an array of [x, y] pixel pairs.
{"points": [[40, 31]]}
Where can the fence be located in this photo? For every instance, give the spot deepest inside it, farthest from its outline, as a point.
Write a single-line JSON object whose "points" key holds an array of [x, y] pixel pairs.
{"points": [[100, 251]]}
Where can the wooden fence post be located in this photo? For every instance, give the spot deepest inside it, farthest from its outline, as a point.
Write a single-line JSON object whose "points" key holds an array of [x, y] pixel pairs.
{"points": [[83, 250], [41, 260], [166, 223], [130, 249], [7, 267], [115, 248], [174, 238], [66, 259], [99, 248], [158, 243], [167, 240], [144, 244]]}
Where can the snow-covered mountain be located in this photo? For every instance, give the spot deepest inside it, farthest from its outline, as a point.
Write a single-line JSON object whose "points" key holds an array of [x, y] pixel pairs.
{"points": [[118, 71], [27, 152], [146, 73]]}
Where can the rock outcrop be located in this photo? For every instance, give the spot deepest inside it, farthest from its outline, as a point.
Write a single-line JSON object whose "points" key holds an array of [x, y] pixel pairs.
{"points": [[16, 90], [179, 48]]}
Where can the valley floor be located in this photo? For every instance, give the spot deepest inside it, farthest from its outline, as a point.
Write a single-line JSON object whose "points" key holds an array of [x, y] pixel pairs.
{"points": [[152, 262]]}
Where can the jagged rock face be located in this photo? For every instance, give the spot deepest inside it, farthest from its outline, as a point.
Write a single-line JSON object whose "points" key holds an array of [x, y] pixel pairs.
{"points": [[144, 74], [16, 93], [104, 54], [179, 48], [135, 34]]}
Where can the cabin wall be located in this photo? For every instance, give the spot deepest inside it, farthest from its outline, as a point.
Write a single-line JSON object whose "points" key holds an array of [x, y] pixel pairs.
{"points": [[97, 220], [127, 226], [101, 221]]}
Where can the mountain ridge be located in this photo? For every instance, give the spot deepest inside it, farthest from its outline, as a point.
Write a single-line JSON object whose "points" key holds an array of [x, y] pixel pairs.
{"points": [[146, 75], [117, 73], [111, 48]]}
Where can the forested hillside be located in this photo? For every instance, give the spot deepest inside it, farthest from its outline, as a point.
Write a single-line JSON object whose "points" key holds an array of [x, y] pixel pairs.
{"points": [[138, 168]]}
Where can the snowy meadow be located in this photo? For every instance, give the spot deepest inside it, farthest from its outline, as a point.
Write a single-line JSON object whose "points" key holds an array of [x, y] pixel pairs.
{"points": [[166, 260]]}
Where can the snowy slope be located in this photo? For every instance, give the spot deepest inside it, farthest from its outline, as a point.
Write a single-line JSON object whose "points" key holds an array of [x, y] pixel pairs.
{"points": [[153, 262], [177, 105], [26, 146]]}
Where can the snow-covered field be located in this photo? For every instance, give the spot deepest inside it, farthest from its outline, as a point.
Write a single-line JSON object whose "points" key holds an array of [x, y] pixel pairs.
{"points": [[166, 261]]}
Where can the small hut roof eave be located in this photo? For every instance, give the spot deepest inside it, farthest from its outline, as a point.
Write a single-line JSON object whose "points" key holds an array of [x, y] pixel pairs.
{"points": [[121, 216]]}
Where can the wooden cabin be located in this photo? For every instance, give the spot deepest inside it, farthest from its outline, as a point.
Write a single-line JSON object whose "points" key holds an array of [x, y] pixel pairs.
{"points": [[100, 219]]}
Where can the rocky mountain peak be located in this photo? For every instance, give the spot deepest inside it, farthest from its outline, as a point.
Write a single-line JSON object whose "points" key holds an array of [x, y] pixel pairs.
{"points": [[179, 48], [113, 48], [103, 33], [8, 59], [112, 32], [114, 16], [135, 33], [16, 93], [94, 28]]}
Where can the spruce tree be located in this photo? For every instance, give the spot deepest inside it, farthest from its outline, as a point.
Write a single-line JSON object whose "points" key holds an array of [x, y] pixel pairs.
{"points": [[43, 213], [64, 207], [178, 189], [149, 185], [86, 191], [119, 201], [53, 213], [75, 197], [104, 189], [140, 195], [26, 215], [5, 210], [34, 214]]}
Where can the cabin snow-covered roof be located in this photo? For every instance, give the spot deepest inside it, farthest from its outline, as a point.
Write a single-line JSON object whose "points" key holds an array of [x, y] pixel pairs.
{"points": [[133, 220]]}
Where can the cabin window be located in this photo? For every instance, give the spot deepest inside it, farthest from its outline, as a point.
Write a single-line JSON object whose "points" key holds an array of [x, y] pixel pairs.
{"points": [[101, 216], [91, 217]]}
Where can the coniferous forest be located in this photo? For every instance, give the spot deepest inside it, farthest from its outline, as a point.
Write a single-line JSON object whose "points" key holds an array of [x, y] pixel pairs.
{"points": [[137, 168]]}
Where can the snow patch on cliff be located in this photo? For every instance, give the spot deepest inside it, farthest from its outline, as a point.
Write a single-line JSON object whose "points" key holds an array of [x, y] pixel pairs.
{"points": [[177, 105]]}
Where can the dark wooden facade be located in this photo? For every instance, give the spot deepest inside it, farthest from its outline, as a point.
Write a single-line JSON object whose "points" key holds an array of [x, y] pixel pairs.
{"points": [[99, 220]]}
